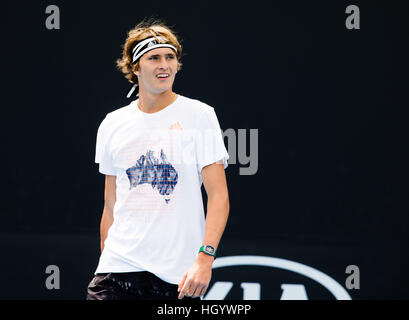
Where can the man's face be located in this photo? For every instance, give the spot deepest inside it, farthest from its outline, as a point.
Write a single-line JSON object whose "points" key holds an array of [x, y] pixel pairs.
{"points": [[157, 70]]}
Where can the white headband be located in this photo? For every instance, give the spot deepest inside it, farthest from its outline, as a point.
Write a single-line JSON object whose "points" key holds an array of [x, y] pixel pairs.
{"points": [[149, 44]]}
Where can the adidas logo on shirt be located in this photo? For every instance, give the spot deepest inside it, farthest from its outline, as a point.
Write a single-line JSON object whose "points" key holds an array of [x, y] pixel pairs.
{"points": [[176, 126]]}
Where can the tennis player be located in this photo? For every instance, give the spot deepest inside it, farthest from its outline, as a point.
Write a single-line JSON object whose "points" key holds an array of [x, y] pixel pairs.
{"points": [[157, 242]]}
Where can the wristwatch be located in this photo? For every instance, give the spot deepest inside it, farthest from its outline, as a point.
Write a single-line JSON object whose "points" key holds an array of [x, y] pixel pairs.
{"points": [[209, 250]]}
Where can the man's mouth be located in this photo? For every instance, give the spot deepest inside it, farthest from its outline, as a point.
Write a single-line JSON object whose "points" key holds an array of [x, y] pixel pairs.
{"points": [[163, 75]]}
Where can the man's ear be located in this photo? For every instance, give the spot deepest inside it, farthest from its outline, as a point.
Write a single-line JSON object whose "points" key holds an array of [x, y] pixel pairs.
{"points": [[135, 70]]}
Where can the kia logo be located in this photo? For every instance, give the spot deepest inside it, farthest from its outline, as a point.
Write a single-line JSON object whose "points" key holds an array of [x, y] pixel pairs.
{"points": [[290, 291]]}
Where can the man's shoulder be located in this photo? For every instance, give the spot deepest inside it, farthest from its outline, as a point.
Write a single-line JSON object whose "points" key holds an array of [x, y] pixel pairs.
{"points": [[117, 116], [195, 105], [121, 112]]}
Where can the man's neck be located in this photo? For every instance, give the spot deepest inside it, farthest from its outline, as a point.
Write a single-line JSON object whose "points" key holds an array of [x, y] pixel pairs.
{"points": [[150, 103]]}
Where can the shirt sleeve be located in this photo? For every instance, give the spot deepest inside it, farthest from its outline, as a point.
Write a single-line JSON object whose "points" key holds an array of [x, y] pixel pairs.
{"points": [[210, 146], [102, 155]]}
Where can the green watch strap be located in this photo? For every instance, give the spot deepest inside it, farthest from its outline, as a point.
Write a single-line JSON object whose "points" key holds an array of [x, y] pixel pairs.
{"points": [[202, 250]]}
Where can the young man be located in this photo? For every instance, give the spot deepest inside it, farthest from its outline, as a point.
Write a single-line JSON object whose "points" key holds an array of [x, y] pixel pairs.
{"points": [[156, 153]]}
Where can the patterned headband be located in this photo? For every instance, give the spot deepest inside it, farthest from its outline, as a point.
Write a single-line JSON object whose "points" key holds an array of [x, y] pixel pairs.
{"points": [[149, 44]]}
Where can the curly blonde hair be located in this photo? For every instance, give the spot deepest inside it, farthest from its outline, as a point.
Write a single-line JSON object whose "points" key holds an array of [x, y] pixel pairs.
{"points": [[143, 30]]}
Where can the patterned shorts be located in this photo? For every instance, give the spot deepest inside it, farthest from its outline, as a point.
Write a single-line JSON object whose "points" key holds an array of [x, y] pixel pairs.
{"points": [[142, 285]]}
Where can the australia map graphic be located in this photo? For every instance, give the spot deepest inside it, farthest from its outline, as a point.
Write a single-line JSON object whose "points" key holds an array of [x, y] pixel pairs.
{"points": [[159, 173]]}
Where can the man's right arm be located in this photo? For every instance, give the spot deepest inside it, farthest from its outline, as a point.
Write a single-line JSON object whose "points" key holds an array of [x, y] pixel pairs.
{"points": [[109, 202]]}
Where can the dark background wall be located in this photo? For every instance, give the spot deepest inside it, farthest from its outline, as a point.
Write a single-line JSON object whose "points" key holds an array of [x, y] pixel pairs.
{"points": [[330, 106]]}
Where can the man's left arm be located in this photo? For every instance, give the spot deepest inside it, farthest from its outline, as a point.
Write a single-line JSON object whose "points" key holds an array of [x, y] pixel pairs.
{"points": [[196, 280]]}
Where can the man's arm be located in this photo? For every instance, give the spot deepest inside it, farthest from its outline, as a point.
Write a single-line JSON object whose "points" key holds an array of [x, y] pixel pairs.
{"points": [[108, 213], [214, 181], [196, 280]]}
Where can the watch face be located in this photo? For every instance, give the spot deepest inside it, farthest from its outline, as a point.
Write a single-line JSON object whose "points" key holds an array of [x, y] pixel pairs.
{"points": [[209, 249]]}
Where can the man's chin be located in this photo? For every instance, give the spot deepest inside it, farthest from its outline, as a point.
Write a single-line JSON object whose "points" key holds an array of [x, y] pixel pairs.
{"points": [[156, 90], [162, 90]]}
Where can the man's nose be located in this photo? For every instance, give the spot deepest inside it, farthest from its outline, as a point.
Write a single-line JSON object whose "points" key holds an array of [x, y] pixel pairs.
{"points": [[163, 64]]}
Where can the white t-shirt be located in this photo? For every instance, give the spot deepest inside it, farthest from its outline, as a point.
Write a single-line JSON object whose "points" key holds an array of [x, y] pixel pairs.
{"points": [[157, 159]]}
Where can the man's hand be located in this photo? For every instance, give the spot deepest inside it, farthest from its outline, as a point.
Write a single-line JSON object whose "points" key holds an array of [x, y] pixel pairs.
{"points": [[196, 280]]}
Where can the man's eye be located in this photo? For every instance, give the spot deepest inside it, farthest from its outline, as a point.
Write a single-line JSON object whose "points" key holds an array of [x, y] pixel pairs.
{"points": [[156, 58]]}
